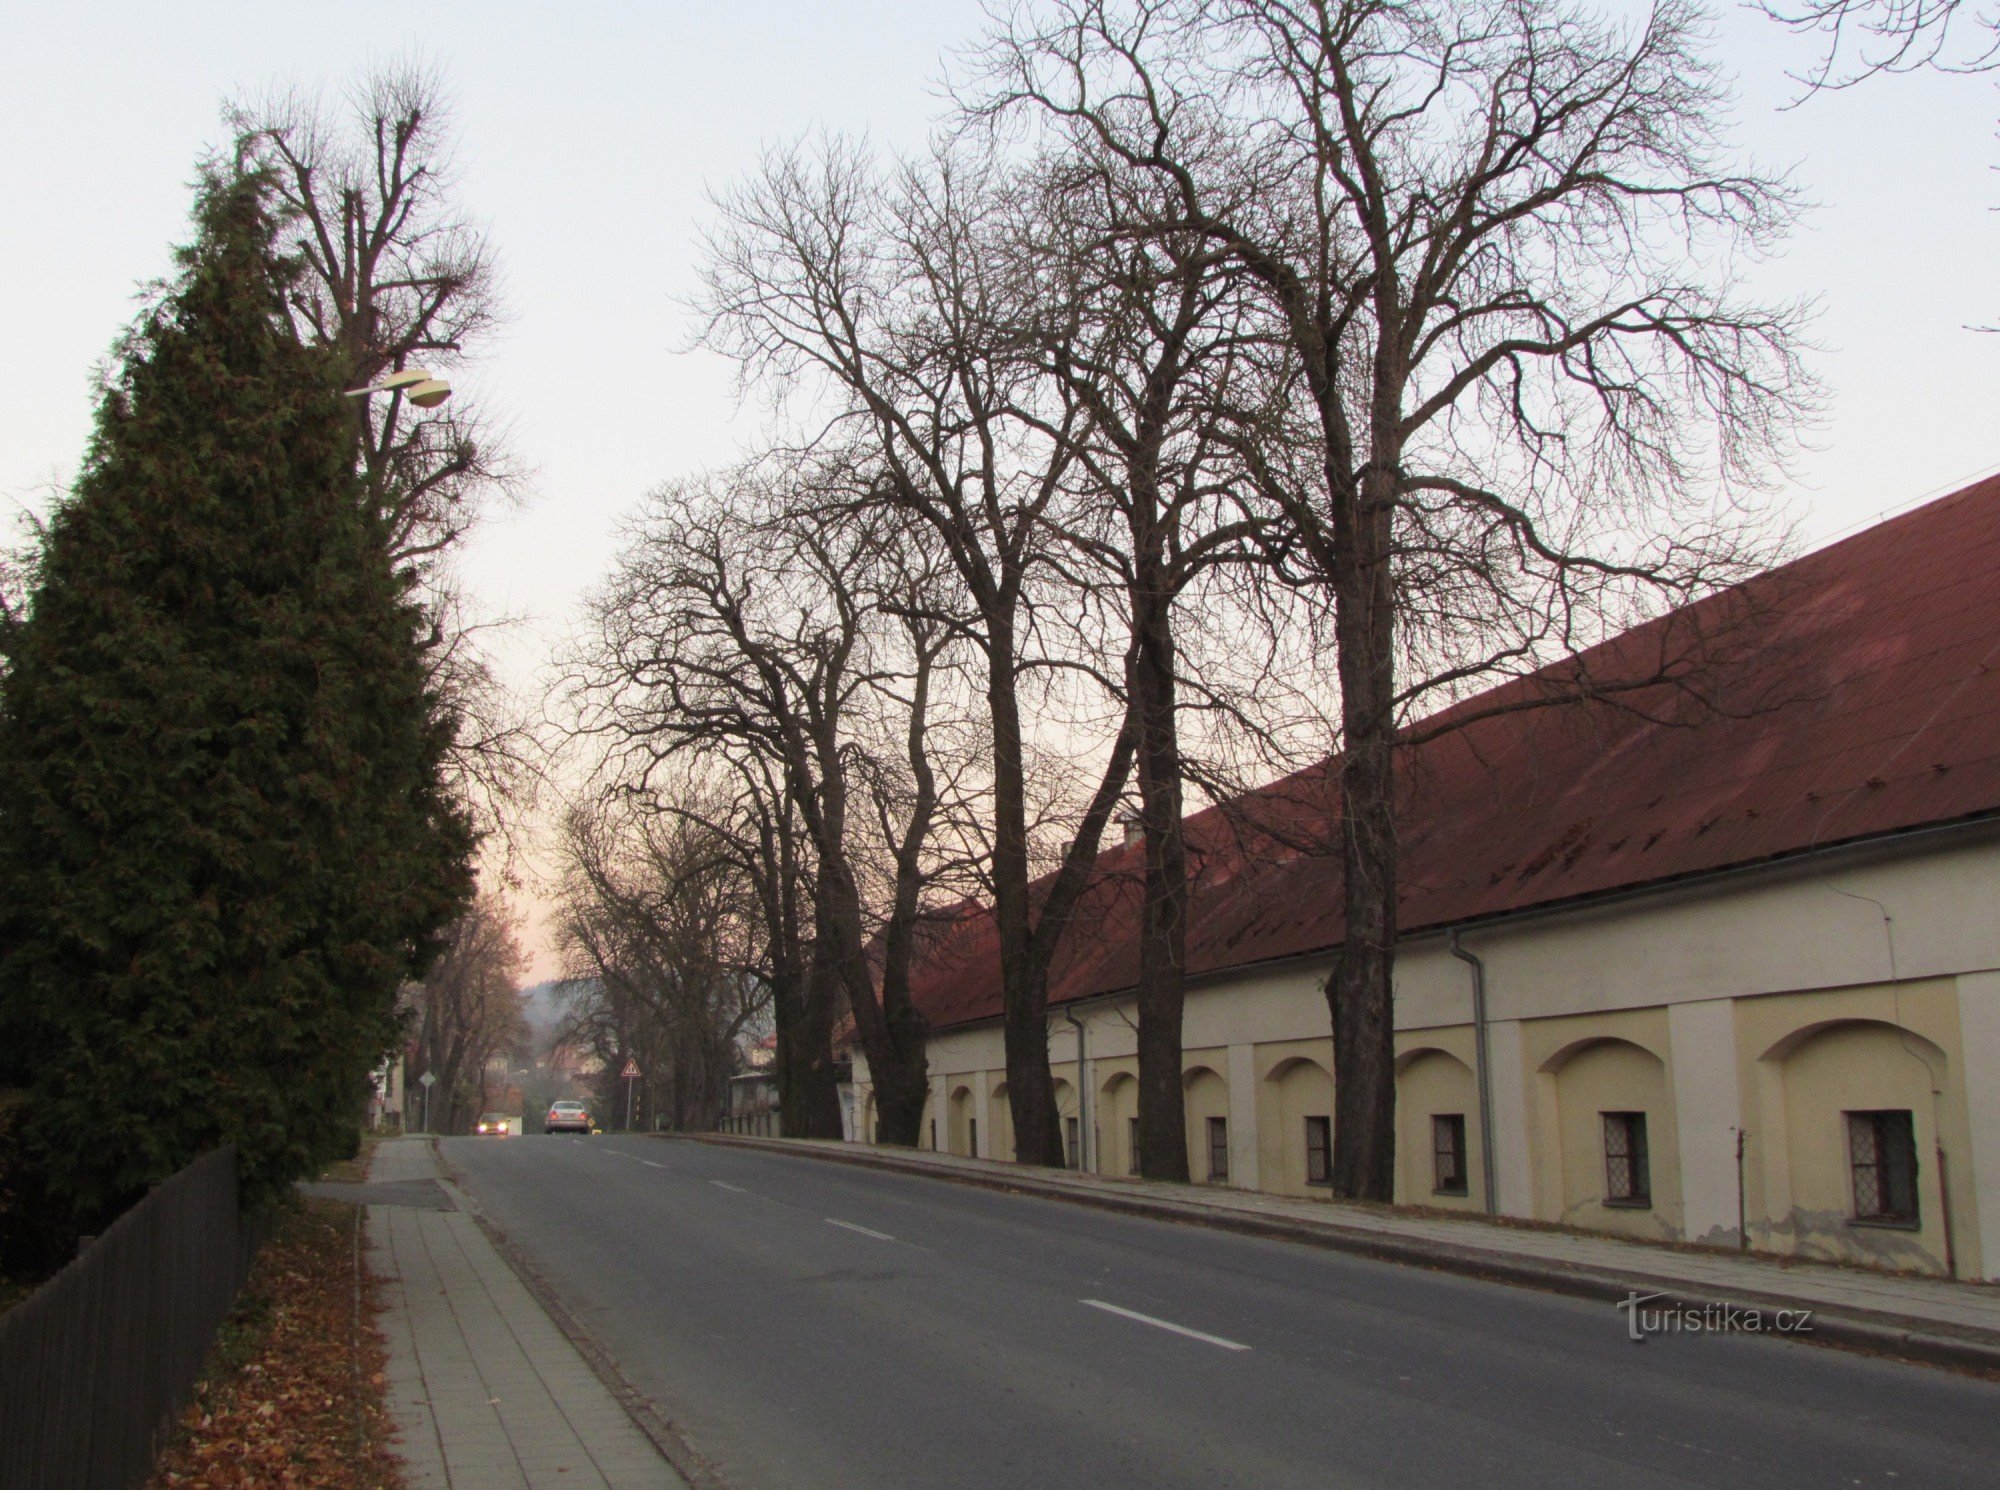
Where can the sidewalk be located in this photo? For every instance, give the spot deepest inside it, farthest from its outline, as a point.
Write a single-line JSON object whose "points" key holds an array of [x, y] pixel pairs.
{"points": [[486, 1392], [1926, 1319]]}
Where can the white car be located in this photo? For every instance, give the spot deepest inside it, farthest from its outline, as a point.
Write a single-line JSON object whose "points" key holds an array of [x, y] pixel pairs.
{"points": [[567, 1117]]}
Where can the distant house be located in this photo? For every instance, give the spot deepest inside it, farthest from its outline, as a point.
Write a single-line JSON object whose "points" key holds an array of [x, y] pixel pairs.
{"points": [[1774, 917]]}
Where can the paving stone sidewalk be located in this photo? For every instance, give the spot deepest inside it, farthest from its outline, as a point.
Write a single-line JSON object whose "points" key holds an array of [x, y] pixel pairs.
{"points": [[486, 1392], [1937, 1319]]}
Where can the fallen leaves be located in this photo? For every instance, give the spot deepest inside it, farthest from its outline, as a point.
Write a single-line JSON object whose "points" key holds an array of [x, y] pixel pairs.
{"points": [[292, 1396]]}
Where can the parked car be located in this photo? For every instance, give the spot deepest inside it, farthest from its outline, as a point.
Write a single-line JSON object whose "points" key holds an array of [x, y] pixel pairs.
{"points": [[567, 1117], [493, 1122]]}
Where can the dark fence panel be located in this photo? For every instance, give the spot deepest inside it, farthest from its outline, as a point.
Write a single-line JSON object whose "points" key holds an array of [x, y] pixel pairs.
{"points": [[96, 1362]]}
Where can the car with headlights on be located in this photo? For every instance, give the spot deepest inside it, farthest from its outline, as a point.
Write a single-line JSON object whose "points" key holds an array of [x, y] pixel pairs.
{"points": [[495, 1124], [567, 1117]]}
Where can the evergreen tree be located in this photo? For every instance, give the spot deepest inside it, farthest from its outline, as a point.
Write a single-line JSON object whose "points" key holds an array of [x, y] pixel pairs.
{"points": [[224, 843]]}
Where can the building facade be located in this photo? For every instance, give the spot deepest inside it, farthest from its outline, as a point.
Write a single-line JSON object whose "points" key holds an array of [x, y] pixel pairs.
{"points": [[1739, 967]]}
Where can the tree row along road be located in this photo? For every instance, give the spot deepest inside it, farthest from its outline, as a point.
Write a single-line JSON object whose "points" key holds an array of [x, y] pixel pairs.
{"points": [[809, 1324]]}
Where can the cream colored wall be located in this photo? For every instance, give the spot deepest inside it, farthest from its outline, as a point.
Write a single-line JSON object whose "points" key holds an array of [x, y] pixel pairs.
{"points": [[1579, 1085], [1431, 1080], [999, 1124], [1807, 1059], [1206, 1096], [1707, 982], [960, 1107], [1117, 1106], [1294, 1082]]}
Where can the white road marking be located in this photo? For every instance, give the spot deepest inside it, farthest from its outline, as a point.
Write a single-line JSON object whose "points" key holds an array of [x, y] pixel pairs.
{"points": [[1164, 1324], [650, 1164], [880, 1236], [725, 1185]]}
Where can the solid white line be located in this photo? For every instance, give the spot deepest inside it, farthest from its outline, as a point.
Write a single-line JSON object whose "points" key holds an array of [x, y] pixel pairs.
{"points": [[1163, 1324], [725, 1185], [880, 1236]]}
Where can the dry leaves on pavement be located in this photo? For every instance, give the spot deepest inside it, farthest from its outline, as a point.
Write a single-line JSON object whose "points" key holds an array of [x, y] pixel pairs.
{"points": [[293, 1395]]}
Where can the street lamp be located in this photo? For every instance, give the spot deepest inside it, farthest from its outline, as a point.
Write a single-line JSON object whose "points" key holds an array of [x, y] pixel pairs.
{"points": [[416, 383]]}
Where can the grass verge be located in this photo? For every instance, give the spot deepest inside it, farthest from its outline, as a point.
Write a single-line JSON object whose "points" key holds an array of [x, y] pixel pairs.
{"points": [[293, 1392]]}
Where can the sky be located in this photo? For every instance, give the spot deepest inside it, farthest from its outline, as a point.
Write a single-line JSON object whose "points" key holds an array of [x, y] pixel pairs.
{"points": [[589, 135]]}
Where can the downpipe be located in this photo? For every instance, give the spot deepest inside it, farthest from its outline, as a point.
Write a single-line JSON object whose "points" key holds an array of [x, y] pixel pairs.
{"points": [[1480, 1069], [1083, 1114]]}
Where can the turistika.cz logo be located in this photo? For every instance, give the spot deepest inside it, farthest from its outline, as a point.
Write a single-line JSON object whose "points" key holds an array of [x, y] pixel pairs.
{"points": [[1649, 1314]]}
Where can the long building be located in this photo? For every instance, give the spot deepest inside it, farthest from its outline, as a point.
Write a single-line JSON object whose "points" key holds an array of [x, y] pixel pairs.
{"points": [[1736, 936]]}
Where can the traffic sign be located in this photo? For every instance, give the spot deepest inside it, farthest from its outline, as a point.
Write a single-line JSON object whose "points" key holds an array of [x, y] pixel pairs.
{"points": [[428, 1079], [631, 1069]]}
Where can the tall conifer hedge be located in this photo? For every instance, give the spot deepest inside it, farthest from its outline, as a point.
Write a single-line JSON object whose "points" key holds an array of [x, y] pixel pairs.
{"points": [[224, 842]]}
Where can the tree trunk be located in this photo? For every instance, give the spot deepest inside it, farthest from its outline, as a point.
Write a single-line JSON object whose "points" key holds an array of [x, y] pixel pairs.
{"points": [[1361, 991], [1031, 1091], [1163, 1153]]}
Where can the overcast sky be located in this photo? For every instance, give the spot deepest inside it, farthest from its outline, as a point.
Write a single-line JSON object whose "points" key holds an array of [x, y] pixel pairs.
{"points": [[588, 134]]}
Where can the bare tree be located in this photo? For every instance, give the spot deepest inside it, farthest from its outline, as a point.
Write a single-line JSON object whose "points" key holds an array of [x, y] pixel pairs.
{"points": [[1496, 242], [877, 300], [1148, 334], [397, 275], [1862, 38], [735, 618], [656, 924], [469, 1009]]}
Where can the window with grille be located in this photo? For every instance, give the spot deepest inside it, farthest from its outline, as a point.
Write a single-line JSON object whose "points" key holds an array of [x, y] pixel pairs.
{"points": [[1072, 1155], [1218, 1148], [1132, 1151], [1448, 1154], [1882, 1148], [1628, 1177], [1319, 1151], [933, 1134], [972, 1137]]}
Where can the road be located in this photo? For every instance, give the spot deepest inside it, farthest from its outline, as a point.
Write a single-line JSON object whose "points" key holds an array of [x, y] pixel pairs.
{"points": [[811, 1324]]}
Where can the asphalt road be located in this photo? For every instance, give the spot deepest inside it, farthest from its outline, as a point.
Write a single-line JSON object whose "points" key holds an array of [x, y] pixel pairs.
{"points": [[809, 1324]]}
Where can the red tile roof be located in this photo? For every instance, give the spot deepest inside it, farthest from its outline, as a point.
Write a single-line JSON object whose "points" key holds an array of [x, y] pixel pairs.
{"points": [[1851, 693]]}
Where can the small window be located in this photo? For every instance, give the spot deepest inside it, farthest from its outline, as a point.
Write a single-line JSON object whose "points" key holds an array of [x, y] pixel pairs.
{"points": [[1882, 1147], [1218, 1148], [972, 1137], [1319, 1151], [1072, 1155], [1448, 1154], [1628, 1177], [1132, 1152]]}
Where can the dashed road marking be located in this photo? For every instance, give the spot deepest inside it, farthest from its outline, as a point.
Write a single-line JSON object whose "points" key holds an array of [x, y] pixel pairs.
{"points": [[880, 1236], [1165, 1324], [725, 1185]]}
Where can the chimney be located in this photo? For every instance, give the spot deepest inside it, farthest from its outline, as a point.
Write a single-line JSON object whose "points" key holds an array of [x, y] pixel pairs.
{"points": [[1133, 824]]}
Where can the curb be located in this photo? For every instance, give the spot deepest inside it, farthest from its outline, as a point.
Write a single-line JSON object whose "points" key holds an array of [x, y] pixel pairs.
{"points": [[1887, 1335]]}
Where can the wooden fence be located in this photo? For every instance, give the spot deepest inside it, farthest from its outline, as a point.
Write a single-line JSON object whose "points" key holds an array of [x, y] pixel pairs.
{"points": [[95, 1364]]}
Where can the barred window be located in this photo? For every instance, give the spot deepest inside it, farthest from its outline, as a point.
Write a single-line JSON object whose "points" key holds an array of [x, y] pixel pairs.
{"points": [[1132, 1148], [1882, 1148], [1319, 1151], [1448, 1154], [972, 1137], [1072, 1154], [1218, 1148], [1628, 1178]]}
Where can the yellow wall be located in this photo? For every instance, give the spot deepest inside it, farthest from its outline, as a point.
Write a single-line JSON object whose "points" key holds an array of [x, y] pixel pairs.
{"points": [[1430, 1081], [1207, 1096], [1295, 1082], [1117, 1106], [1809, 1059]]}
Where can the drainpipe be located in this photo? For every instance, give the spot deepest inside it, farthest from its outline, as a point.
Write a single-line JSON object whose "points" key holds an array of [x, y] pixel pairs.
{"points": [[1479, 1065], [1082, 1094]]}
